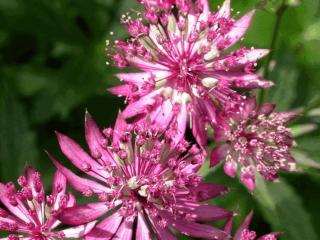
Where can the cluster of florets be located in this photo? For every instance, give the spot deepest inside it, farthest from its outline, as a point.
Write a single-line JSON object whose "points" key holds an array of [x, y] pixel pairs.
{"points": [[256, 139], [142, 177], [32, 214], [138, 171], [185, 73]]}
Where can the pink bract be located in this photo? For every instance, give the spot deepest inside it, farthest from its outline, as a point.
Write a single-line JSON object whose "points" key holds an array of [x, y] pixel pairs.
{"points": [[244, 233], [30, 214], [255, 139], [185, 69], [141, 178]]}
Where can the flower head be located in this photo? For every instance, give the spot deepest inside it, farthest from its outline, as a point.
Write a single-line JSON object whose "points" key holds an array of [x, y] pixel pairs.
{"points": [[141, 178], [185, 72], [256, 139], [30, 214], [243, 232]]}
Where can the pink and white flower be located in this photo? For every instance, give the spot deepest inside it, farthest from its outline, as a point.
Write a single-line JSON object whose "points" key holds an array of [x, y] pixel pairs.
{"points": [[185, 69], [141, 179], [254, 139], [29, 214], [243, 232]]}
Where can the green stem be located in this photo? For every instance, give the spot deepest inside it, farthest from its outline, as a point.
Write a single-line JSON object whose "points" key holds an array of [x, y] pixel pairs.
{"points": [[266, 73]]}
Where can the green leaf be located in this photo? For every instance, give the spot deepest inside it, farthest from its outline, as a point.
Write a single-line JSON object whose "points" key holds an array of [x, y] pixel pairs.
{"points": [[285, 76], [17, 145], [304, 159], [302, 129], [283, 208]]}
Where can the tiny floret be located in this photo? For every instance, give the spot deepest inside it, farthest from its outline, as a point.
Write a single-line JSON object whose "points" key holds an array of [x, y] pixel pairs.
{"points": [[254, 139]]}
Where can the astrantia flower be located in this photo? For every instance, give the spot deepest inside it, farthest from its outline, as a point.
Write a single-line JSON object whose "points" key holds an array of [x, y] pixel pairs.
{"points": [[141, 180], [254, 139], [185, 71], [30, 214], [243, 232]]}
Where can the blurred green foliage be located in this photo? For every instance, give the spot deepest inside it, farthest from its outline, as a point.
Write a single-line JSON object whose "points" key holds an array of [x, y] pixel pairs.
{"points": [[52, 67]]}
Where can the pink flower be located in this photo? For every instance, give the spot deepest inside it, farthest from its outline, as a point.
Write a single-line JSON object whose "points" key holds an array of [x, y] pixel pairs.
{"points": [[185, 72], [141, 179], [254, 139], [32, 215], [243, 232]]}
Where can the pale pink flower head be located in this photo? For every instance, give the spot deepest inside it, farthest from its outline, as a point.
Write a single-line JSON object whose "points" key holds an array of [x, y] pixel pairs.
{"points": [[30, 214], [185, 71], [244, 233], [142, 180], [254, 139]]}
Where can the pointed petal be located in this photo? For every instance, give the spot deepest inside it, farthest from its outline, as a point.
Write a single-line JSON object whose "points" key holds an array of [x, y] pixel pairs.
{"points": [[15, 210], [243, 80], [225, 9], [125, 231], [253, 55], [162, 233], [80, 184], [194, 229], [140, 106], [79, 157], [143, 232], [239, 29], [106, 228], [205, 6], [181, 123], [203, 212], [120, 128], [95, 140], [218, 154], [272, 236], [59, 183], [266, 108], [244, 225], [206, 191], [78, 231], [83, 213], [121, 90]]}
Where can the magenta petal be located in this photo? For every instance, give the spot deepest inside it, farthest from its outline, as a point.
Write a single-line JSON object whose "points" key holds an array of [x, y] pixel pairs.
{"points": [[244, 225], [206, 191], [79, 157], [230, 168], [286, 116], [181, 123], [194, 229], [121, 90], [253, 55], [141, 105], [78, 231], [162, 233], [15, 210], [225, 9], [270, 236], [143, 232], [85, 213], [59, 183], [248, 181], [106, 228], [125, 231], [203, 212], [218, 154], [80, 184], [120, 128], [95, 140], [249, 107], [205, 6], [239, 29], [266, 109]]}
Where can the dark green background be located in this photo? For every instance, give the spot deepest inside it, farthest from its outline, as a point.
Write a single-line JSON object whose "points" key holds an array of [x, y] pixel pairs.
{"points": [[52, 68]]}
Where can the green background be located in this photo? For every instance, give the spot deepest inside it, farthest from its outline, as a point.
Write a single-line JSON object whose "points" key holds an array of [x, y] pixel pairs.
{"points": [[52, 68]]}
